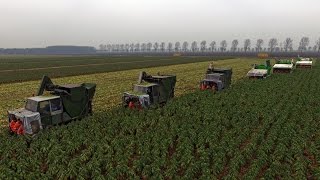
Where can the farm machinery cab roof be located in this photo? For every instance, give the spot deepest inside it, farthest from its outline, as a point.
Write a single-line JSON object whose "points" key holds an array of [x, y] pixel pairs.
{"points": [[283, 66], [62, 104], [150, 90], [260, 71], [216, 79], [304, 63]]}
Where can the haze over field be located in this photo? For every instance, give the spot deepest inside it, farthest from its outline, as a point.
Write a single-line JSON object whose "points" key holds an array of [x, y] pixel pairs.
{"points": [[40, 23]]}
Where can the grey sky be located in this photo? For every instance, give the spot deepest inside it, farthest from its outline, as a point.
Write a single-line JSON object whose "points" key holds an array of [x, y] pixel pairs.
{"points": [[40, 23]]}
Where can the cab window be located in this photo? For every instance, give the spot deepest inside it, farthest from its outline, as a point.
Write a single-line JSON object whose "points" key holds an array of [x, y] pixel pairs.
{"points": [[44, 107], [55, 105], [139, 89], [31, 105]]}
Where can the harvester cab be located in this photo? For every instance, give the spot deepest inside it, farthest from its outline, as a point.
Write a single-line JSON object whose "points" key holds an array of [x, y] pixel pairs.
{"points": [[150, 90], [304, 63], [283, 66], [61, 104], [260, 71], [216, 79]]}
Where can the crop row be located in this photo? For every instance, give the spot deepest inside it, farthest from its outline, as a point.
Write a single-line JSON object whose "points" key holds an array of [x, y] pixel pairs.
{"points": [[19, 71]]}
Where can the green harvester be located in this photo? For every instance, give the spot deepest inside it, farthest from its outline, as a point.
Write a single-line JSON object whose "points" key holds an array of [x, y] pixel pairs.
{"points": [[216, 79], [150, 90], [60, 104]]}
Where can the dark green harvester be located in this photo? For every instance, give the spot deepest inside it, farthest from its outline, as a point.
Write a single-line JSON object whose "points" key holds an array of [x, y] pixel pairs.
{"points": [[63, 104], [227, 72], [216, 79], [150, 90]]}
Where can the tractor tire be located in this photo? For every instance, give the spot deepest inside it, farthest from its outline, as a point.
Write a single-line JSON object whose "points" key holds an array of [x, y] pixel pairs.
{"points": [[138, 106], [49, 127], [214, 89], [162, 104], [10, 131]]}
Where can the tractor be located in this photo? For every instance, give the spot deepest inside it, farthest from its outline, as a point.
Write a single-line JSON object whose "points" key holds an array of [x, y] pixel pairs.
{"points": [[150, 90], [304, 63], [261, 71], [283, 66], [52, 105], [216, 79]]}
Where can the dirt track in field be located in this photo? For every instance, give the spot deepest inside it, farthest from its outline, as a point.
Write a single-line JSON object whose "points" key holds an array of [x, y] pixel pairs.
{"points": [[80, 65]]}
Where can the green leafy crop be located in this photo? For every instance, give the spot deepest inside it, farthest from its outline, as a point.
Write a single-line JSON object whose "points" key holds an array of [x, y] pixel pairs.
{"points": [[255, 129]]}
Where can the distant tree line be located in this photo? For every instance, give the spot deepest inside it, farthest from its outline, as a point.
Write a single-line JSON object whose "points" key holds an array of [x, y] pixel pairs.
{"points": [[272, 45], [51, 50], [247, 48]]}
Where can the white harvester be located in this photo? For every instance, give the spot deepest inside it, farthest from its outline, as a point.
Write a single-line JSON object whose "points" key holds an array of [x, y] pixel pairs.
{"points": [[261, 71], [283, 66], [304, 63]]}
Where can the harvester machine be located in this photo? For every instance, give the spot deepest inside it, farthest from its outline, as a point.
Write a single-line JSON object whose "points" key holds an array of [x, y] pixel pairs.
{"points": [[52, 105], [304, 63], [260, 71], [150, 90], [283, 66], [216, 79]]}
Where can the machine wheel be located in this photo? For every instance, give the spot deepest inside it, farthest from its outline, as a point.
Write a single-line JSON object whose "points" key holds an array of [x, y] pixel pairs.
{"points": [[138, 106], [10, 131], [90, 108], [49, 127], [162, 104], [172, 94], [214, 88]]}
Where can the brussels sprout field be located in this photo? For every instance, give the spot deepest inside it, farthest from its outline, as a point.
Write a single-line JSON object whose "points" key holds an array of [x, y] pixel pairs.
{"points": [[255, 129]]}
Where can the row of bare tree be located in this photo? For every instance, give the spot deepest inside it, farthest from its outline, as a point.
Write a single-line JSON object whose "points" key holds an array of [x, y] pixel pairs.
{"points": [[273, 46]]}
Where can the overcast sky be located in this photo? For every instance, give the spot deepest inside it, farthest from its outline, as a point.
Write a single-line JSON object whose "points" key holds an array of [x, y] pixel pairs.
{"points": [[40, 23]]}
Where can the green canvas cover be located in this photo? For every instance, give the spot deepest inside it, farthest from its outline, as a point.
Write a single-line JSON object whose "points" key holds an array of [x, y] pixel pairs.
{"points": [[76, 104], [284, 61], [166, 89], [266, 66]]}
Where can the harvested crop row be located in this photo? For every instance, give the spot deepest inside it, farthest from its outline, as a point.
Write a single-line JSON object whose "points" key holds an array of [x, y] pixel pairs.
{"points": [[28, 68]]}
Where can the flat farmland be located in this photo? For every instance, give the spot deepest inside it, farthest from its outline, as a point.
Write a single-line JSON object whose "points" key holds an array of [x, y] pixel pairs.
{"points": [[23, 68], [111, 85], [256, 129]]}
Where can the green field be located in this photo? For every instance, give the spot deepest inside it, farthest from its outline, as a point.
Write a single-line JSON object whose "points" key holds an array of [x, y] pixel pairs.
{"points": [[255, 129], [23, 68]]}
